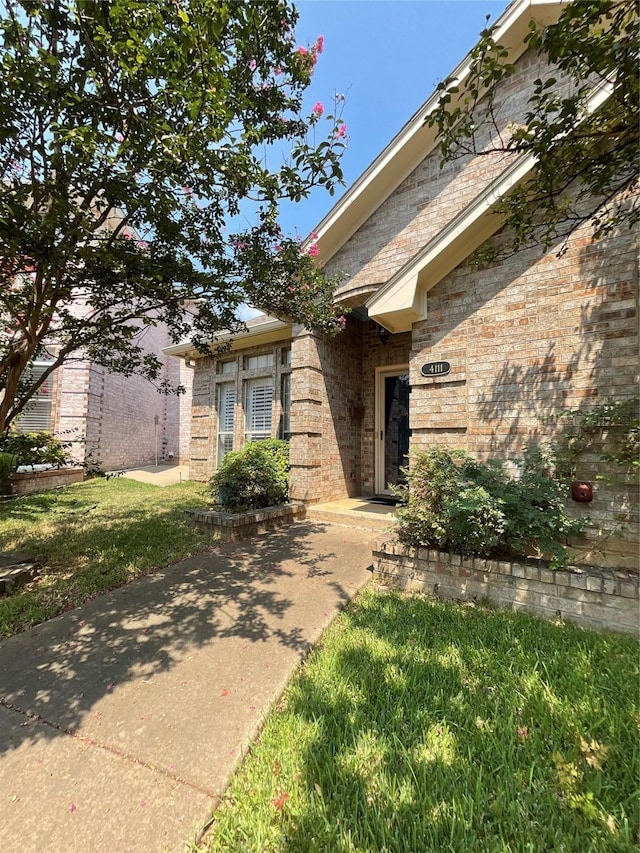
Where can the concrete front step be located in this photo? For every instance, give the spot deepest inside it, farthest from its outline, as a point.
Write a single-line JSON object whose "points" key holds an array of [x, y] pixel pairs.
{"points": [[353, 512]]}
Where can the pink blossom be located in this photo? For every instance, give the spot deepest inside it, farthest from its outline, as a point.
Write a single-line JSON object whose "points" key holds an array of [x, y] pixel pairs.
{"points": [[252, 65], [341, 131], [187, 190], [302, 51], [277, 247], [342, 321], [318, 109], [313, 251], [313, 236], [319, 45], [277, 70]]}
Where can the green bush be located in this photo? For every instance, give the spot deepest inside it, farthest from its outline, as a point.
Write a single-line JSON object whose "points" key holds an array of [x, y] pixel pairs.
{"points": [[35, 448], [456, 503], [253, 477], [7, 467]]}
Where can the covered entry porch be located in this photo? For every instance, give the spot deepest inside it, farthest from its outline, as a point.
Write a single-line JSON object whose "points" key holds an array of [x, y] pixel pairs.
{"points": [[349, 412]]}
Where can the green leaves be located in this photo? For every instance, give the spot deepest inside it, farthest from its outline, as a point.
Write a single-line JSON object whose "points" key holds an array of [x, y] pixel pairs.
{"points": [[130, 134], [588, 162], [475, 508]]}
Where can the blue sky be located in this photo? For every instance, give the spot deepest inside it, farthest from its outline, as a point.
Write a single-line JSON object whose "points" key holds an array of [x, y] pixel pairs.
{"points": [[386, 57]]}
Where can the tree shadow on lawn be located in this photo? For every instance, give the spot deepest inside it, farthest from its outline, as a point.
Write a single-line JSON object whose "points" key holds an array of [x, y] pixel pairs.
{"points": [[443, 729], [224, 602]]}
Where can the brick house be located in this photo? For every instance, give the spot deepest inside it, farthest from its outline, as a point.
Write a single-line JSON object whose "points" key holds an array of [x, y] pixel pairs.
{"points": [[113, 417], [435, 350]]}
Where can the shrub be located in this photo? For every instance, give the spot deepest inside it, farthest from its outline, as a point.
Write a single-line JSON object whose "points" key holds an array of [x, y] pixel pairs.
{"points": [[35, 448], [254, 477], [7, 467], [454, 502]]}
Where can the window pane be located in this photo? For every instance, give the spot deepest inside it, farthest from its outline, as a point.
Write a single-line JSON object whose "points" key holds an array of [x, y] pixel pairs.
{"points": [[258, 408], [253, 362], [285, 425], [226, 405], [37, 417]]}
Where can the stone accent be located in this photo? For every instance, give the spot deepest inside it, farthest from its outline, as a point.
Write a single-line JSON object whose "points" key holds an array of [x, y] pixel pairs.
{"points": [[16, 570], [231, 527], [29, 483], [591, 597]]}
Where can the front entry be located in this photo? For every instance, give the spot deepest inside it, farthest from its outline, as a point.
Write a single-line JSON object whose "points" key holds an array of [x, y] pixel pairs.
{"points": [[392, 426]]}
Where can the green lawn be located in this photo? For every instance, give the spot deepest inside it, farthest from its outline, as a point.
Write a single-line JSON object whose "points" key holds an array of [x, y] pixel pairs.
{"points": [[93, 537], [426, 726]]}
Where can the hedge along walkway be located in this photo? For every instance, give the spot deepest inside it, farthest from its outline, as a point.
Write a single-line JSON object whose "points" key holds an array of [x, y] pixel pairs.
{"points": [[121, 721]]}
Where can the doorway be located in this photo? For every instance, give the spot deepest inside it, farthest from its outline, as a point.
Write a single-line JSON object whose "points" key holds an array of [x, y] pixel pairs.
{"points": [[392, 426]]}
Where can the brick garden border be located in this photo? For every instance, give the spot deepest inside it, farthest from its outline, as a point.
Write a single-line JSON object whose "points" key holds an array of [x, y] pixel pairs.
{"points": [[231, 527], [31, 482], [589, 596]]}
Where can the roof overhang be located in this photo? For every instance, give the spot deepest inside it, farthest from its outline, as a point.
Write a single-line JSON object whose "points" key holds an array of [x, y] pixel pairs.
{"points": [[402, 300], [416, 140], [266, 332]]}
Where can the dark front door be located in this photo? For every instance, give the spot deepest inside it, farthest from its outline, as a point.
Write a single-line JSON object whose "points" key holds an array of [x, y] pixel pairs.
{"points": [[393, 434]]}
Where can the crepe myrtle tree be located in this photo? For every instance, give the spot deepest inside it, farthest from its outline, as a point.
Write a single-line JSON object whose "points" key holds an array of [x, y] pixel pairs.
{"points": [[131, 134], [587, 164]]}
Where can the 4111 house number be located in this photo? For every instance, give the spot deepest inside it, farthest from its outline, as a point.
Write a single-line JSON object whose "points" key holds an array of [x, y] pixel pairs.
{"points": [[436, 368]]}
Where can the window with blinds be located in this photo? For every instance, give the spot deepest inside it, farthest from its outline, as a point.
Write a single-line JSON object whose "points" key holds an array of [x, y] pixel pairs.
{"points": [[258, 405], [226, 407], [37, 416]]}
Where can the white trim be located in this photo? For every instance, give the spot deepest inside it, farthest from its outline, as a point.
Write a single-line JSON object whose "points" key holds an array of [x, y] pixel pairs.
{"points": [[415, 141], [269, 331], [380, 485], [397, 304]]}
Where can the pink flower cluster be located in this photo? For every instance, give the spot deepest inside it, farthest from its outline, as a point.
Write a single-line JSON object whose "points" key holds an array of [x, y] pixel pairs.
{"points": [[318, 109], [316, 49], [341, 130]]}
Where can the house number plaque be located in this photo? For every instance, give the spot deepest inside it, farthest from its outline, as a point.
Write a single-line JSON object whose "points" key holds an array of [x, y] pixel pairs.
{"points": [[436, 368]]}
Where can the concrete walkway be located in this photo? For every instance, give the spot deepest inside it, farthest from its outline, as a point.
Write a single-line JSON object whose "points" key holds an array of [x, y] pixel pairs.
{"points": [[122, 721], [159, 475]]}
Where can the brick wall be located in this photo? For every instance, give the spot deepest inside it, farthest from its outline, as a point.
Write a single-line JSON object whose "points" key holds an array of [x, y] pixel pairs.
{"points": [[590, 597], [430, 197], [111, 416], [525, 339], [327, 410]]}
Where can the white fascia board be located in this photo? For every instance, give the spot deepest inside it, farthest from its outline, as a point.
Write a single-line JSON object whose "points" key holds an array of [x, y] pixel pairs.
{"points": [[400, 292], [270, 331], [473, 225], [415, 140]]}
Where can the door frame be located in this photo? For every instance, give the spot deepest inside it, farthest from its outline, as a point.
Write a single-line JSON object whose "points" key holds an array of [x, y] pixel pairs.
{"points": [[382, 373]]}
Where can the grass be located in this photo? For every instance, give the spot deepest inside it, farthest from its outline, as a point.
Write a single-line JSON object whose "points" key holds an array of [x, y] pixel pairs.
{"points": [[427, 726], [93, 537]]}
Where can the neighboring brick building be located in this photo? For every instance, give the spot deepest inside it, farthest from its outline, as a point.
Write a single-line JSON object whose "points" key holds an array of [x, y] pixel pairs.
{"points": [[112, 417], [524, 337]]}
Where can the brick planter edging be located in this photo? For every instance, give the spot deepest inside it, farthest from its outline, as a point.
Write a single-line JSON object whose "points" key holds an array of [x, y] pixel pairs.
{"points": [[231, 527], [31, 482], [589, 596]]}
